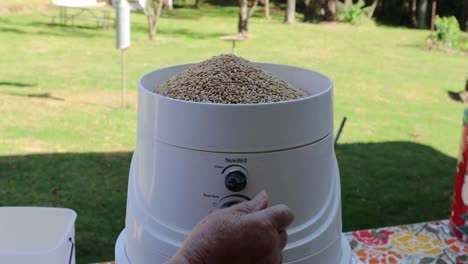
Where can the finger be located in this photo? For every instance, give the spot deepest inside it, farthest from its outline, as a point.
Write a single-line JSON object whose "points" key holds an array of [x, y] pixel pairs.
{"points": [[283, 237], [258, 203], [279, 215], [261, 201]]}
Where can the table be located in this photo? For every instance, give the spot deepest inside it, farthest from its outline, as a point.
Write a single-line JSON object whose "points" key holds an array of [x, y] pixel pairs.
{"points": [[101, 14], [234, 39], [422, 243]]}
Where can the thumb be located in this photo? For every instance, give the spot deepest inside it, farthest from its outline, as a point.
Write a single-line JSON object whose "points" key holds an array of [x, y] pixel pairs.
{"points": [[258, 203], [280, 216]]}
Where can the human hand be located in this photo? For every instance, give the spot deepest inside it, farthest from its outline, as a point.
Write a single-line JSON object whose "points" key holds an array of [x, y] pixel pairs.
{"points": [[245, 233]]}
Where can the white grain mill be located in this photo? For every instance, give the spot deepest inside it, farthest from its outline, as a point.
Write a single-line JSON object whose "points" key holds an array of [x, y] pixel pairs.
{"points": [[192, 158]]}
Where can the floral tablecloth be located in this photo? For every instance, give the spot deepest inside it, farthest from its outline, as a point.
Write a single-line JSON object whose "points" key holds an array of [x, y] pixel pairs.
{"points": [[423, 243]]}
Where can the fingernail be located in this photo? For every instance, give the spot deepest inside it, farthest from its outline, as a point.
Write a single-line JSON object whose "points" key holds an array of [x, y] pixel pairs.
{"points": [[262, 195], [261, 200]]}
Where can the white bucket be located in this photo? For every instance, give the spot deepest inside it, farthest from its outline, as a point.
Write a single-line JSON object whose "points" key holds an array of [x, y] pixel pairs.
{"points": [[38, 235]]}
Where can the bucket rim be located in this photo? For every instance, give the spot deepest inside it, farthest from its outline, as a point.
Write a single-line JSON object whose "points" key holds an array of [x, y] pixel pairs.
{"points": [[70, 225]]}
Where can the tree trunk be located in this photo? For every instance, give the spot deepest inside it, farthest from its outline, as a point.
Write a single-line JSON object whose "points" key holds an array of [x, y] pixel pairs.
{"points": [[348, 4], [167, 4], [414, 5], [197, 3], [433, 14], [332, 6], [243, 18], [156, 19], [267, 9], [151, 34], [290, 12], [464, 17], [310, 10], [372, 8], [153, 11], [422, 11], [307, 15], [252, 9], [150, 12], [328, 9]]}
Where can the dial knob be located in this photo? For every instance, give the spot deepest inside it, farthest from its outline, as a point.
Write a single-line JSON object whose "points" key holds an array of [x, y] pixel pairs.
{"points": [[235, 178], [229, 204], [232, 199]]}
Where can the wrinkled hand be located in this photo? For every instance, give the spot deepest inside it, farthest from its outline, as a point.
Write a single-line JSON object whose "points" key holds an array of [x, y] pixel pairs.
{"points": [[246, 233]]}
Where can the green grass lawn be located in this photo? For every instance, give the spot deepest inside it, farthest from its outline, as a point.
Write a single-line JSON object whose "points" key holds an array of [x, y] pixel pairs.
{"points": [[64, 140]]}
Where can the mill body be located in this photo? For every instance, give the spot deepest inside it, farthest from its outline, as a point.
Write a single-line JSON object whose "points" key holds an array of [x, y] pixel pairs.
{"points": [[192, 158]]}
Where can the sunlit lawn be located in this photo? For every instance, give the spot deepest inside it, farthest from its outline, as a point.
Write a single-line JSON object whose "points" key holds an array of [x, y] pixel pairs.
{"points": [[64, 140]]}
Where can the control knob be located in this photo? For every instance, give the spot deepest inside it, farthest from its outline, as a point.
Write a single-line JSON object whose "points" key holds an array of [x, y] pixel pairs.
{"points": [[235, 178]]}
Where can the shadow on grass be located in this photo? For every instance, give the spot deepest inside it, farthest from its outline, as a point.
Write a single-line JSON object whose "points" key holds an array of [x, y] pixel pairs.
{"points": [[454, 96], [394, 183], [17, 84], [45, 96], [206, 10], [382, 184], [49, 96], [60, 30], [11, 30], [38, 95], [460, 97], [419, 46], [93, 184], [181, 32], [191, 34], [48, 29]]}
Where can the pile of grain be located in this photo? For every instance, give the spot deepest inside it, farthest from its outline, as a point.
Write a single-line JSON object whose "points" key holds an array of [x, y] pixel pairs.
{"points": [[228, 79]]}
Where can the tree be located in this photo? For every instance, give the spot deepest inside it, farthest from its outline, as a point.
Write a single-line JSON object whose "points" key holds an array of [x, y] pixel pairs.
{"points": [[310, 9], [170, 4], [464, 16], [433, 16], [372, 8], [254, 6], [324, 9], [331, 9], [153, 9], [245, 14], [196, 4], [413, 12], [243, 25], [422, 12], [290, 12], [348, 4], [307, 12], [267, 8]]}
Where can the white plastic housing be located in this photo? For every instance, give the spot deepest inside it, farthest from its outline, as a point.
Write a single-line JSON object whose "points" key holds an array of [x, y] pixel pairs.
{"points": [[235, 127], [183, 148]]}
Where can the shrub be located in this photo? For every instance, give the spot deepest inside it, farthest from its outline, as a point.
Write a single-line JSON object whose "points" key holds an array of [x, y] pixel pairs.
{"points": [[464, 44], [448, 31], [355, 15]]}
